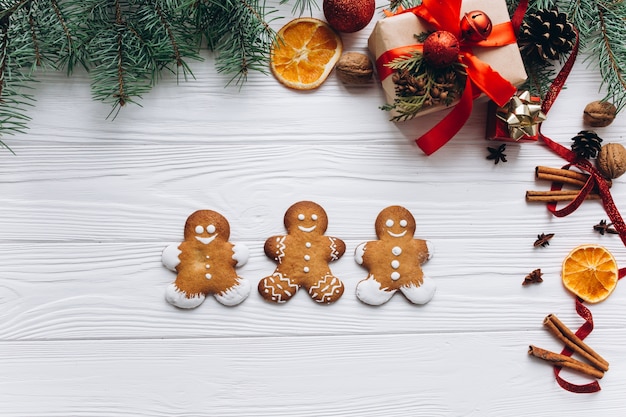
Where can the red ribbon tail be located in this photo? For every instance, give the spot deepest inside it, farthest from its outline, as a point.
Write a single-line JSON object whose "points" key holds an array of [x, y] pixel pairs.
{"points": [[449, 126], [582, 332]]}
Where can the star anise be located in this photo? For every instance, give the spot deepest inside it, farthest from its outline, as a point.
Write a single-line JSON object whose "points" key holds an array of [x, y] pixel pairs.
{"points": [[543, 240], [604, 227], [497, 154], [533, 278]]}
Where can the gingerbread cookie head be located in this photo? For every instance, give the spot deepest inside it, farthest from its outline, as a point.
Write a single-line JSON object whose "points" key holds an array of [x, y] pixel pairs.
{"points": [[303, 256], [395, 222], [306, 217], [205, 263], [394, 261], [205, 226]]}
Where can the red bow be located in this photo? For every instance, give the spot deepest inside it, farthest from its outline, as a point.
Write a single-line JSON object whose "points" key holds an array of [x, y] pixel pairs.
{"points": [[445, 15]]}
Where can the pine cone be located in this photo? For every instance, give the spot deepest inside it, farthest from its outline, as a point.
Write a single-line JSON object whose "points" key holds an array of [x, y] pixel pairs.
{"points": [[546, 35], [586, 144]]}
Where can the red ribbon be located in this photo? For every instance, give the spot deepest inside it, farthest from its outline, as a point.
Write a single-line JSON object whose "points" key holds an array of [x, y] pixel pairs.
{"points": [[445, 15], [595, 181]]}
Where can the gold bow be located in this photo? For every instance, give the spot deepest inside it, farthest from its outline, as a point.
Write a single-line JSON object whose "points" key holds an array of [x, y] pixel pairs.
{"points": [[523, 115]]}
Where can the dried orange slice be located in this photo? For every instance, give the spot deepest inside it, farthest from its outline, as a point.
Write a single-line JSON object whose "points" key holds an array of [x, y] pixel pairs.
{"points": [[590, 272], [304, 53]]}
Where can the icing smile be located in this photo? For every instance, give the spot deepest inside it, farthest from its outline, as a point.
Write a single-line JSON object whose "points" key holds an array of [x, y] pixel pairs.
{"points": [[306, 229], [396, 234], [206, 240]]}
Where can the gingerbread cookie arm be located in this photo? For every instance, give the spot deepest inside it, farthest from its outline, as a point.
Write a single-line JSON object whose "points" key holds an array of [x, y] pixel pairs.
{"points": [[275, 248], [337, 248], [241, 253], [169, 257]]}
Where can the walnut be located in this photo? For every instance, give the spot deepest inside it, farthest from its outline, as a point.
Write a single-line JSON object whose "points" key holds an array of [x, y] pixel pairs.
{"points": [[611, 161], [354, 68], [599, 113]]}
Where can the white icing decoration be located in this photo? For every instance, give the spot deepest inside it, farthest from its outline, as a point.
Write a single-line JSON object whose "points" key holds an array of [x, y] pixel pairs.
{"points": [[389, 223], [306, 229], [395, 264], [397, 250], [396, 234], [179, 299], [431, 248], [370, 292], [280, 243], [403, 223], [207, 266], [210, 229], [395, 275], [308, 244], [241, 253], [334, 253], [206, 240], [208, 276], [235, 294], [306, 269], [307, 258], [301, 217], [358, 253], [199, 229], [422, 294], [169, 257], [314, 217]]}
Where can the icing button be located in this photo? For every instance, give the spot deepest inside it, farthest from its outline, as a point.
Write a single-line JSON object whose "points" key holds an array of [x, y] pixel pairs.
{"points": [[306, 269], [208, 276], [397, 250], [307, 244], [307, 258], [395, 264], [395, 276]]}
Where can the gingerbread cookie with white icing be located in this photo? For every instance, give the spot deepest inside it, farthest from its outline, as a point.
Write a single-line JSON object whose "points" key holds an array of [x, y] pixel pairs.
{"points": [[303, 256], [394, 261], [205, 263]]}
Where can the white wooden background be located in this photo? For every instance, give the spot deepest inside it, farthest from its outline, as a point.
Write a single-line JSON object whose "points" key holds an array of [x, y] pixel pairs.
{"points": [[88, 204]]}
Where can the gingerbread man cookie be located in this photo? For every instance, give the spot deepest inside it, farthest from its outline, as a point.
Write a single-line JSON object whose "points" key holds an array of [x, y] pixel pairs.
{"points": [[205, 263], [394, 261], [303, 256]]}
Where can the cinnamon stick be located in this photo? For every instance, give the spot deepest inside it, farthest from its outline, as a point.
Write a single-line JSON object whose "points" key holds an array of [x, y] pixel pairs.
{"points": [[573, 342], [561, 175], [557, 195], [564, 176], [564, 361]]}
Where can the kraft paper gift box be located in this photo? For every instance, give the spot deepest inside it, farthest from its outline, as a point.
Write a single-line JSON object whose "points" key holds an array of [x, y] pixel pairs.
{"points": [[400, 30]]}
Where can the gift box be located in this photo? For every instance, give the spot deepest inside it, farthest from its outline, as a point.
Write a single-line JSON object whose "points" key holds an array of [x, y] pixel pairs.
{"points": [[517, 121], [398, 32]]}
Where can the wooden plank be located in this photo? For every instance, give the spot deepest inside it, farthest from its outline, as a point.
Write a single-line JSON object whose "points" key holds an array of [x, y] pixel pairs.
{"points": [[486, 373]]}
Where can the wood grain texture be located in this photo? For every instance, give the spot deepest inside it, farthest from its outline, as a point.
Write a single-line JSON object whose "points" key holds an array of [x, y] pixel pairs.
{"points": [[88, 204]]}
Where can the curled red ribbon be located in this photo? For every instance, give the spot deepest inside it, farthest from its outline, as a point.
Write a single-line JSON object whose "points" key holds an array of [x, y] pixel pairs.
{"points": [[595, 181], [445, 15]]}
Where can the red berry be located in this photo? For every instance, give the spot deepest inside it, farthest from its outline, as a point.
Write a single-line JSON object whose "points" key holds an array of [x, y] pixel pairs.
{"points": [[349, 15]]}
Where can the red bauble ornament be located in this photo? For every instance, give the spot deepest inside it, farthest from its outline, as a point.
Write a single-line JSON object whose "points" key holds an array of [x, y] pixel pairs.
{"points": [[475, 26], [349, 15], [441, 49]]}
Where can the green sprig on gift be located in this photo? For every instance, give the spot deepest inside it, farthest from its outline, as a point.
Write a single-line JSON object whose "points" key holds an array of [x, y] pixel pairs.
{"points": [[420, 86]]}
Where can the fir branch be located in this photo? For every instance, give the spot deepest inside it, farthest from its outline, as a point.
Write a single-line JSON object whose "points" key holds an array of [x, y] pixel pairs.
{"points": [[300, 6]]}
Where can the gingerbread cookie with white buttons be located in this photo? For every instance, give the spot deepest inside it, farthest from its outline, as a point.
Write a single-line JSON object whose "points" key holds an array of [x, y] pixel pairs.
{"points": [[303, 256], [205, 263], [394, 261]]}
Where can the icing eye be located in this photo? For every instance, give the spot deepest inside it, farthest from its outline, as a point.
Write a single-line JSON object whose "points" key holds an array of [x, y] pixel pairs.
{"points": [[210, 229], [403, 223], [389, 223], [300, 216], [314, 217], [199, 229]]}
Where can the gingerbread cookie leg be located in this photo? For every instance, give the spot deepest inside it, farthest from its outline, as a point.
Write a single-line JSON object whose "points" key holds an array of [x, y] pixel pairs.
{"points": [[181, 299], [278, 288], [420, 294], [327, 290], [371, 292], [235, 294]]}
